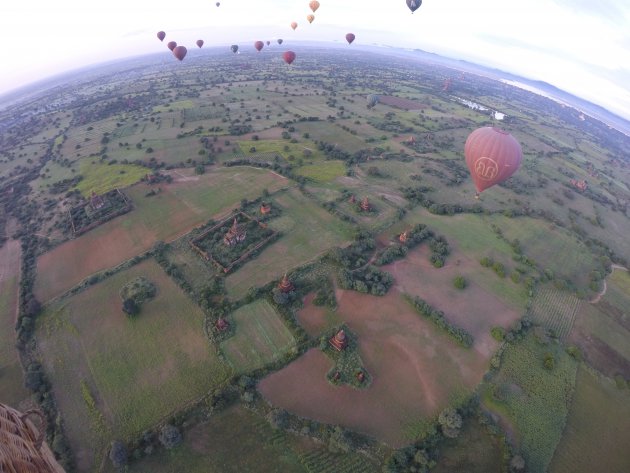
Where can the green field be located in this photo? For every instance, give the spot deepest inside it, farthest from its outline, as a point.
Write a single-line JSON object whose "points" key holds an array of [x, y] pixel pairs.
{"points": [[597, 433], [284, 148], [162, 353], [12, 390], [555, 310], [323, 172], [261, 337], [307, 231], [177, 105], [535, 401], [101, 178], [595, 320]]}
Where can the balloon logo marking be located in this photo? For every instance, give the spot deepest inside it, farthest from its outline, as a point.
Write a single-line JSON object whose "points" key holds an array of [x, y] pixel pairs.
{"points": [[486, 168]]}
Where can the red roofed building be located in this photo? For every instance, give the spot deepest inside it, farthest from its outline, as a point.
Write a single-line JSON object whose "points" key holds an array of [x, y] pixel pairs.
{"points": [[235, 234], [339, 341], [365, 205], [581, 185], [285, 284], [222, 325], [265, 208], [403, 236]]}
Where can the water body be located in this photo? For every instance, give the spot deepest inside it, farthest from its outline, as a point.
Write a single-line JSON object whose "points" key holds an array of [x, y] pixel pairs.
{"points": [[475, 106]]}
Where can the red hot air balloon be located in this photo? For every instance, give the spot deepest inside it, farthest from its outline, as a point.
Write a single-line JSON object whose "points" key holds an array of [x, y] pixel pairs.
{"points": [[293, 25], [314, 5], [161, 35], [350, 38], [288, 56], [259, 45], [200, 42], [171, 45], [180, 52], [492, 156]]}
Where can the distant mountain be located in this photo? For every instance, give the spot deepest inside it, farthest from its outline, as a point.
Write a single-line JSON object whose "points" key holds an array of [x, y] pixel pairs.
{"points": [[536, 86]]}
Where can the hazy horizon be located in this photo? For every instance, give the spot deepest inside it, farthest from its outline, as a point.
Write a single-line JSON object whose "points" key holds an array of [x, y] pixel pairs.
{"points": [[580, 47]]}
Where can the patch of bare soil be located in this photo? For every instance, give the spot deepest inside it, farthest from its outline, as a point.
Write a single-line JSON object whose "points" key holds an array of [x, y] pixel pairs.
{"points": [[600, 355]]}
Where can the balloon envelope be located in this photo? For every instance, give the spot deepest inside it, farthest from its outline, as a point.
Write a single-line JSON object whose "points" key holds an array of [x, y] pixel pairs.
{"points": [[288, 56], [171, 45], [161, 35], [259, 45], [314, 5], [310, 18], [200, 42], [218, 4], [350, 38], [414, 5], [234, 48], [180, 52], [280, 41], [492, 156], [268, 43], [293, 25]]}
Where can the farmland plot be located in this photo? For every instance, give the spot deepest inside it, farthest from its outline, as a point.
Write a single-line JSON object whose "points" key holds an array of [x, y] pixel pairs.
{"points": [[555, 310]]}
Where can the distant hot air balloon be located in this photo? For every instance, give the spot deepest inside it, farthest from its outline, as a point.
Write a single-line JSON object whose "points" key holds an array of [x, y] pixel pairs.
{"points": [[372, 100], [171, 45], [268, 43], [350, 38], [234, 48], [180, 52], [161, 35], [288, 56], [280, 41], [492, 156], [310, 18], [259, 45], [200, 42], [314, 5], [293, 25], [218, 4], [414, 5]]}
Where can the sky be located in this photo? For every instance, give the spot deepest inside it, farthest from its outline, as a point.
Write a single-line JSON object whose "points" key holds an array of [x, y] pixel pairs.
{"points": [[580, 46]]}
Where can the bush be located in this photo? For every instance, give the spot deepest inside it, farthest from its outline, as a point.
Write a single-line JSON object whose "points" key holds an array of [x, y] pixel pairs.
{"points": [[170, 436], [118, 454], [459, 282], [498, 333], [486, 261]]}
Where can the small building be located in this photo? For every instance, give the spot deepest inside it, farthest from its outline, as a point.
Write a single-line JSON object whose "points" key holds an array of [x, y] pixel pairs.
{"points": [[265, 208], [339, 341], [365, 205], [580, 185], [222, 325], [96, 201], [235, 234], [352, 199], [360, 376], [285, 284], [410, 141], [403, 236]]}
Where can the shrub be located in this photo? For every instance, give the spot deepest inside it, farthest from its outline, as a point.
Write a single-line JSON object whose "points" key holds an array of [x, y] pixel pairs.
{"points": [[170, 436], [459, 282], [118, 454], [498, 333]]}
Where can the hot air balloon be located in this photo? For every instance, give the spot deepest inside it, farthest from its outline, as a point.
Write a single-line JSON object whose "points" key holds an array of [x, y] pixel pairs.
{"points": [[218, 4], [259, 45], [293, 25], [310, 18], [180, 52], [372, 100], [161, 35], [268, 43], [171, 45], [280, 41], [414, 5], [492, 155], [314, 5], [288, 56], [234, 48], [350, 38], [200, 42]]}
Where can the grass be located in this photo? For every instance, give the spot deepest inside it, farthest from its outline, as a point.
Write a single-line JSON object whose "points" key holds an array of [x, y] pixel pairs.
{"points": [[595, 320], [555, 310], [283, 148], [301, 220], [323, 172], [597, 431], [165, 216], [177, 105], [261, 337], [473, 451], [12, 390], [533, 399], [162, 353], [100, 177]]}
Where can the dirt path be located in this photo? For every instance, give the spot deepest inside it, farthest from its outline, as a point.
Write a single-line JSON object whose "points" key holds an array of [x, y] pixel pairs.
{"points": [[602, 293]]}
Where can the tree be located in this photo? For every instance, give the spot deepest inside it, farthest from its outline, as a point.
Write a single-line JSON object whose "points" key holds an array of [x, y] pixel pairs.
{"points": [[450, 421], [517, 464], [118, 454], [130, 307], [170, 436]]}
